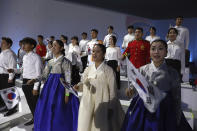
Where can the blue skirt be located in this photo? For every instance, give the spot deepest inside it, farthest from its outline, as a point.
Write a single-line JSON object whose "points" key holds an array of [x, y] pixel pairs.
{"points": [[138, 118], [52, 113]]}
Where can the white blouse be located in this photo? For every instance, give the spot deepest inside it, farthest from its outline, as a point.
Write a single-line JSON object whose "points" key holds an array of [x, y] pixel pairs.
{"points": [[174, 51], [113, 53], [106, 39], [183, 36], [73, 55], [151, 39], [127, 38]]}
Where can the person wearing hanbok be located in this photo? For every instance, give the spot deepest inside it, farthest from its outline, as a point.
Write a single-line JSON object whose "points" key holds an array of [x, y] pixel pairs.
{"points": [[100, 109], [57, 109], [113, 57], [168, 115]]}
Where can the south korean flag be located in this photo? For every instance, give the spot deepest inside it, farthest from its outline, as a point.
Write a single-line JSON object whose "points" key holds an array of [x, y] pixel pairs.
{"points": [[149, 93], [10, 96]]}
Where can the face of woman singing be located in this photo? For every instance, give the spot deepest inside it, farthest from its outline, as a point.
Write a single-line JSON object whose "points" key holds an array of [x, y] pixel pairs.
{"points": [[158, 52], [97, 54], [57, 49], [172, 35]]}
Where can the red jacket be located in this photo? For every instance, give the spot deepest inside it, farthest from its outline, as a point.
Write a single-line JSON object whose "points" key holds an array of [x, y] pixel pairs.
{"points": [[41, 50], [139, 51]]}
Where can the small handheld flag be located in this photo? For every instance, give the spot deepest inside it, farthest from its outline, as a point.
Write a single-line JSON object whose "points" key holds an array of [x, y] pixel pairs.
{"points": [[10, 96], [69, 87], [149, 93]]}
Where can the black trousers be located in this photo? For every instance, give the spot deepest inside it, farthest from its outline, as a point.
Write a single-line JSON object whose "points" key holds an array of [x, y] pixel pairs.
{"points": [[84, 60], [3, 85], [114, 64], [75, 75], [31, 99]]}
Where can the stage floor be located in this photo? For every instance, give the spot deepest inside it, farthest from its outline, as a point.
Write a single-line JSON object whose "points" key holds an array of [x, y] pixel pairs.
{"points": [[16, 121]]}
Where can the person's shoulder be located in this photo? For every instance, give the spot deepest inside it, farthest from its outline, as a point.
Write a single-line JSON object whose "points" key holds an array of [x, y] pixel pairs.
{"points": [[146, 41], [11, 53], [147, 37], [172, 72], [67, 61], [107, 68], [145, 67], [35, 55]]}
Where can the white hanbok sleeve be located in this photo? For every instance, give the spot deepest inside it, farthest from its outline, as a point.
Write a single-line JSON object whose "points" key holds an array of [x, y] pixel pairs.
{"points": [[112, 86]]}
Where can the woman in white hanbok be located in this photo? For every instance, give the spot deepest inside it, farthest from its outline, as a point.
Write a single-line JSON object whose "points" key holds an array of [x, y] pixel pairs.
{"points": [[100, 109]]}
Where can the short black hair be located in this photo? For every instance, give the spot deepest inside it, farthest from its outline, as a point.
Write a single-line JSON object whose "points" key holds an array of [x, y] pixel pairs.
{"points": [[75, 38], [161, 41], [21, 41], [179, 17], [153, 28], [64, 37], [139, 28], [29, 40], [114, 39], [130, 27], [8, 40], [176, 31], [52, 37], [103, 48], [95, 30], [84, 33], [40, 36], [111, 27]]}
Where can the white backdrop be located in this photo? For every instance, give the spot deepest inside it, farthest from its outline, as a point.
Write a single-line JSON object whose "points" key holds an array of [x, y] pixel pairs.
{"points": [[20, 18]]}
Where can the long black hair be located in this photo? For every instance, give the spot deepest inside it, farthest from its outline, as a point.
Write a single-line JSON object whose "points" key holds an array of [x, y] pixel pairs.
{"points": [[61, 44]]}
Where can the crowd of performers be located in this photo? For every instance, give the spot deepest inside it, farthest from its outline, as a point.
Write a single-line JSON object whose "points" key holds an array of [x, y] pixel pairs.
{"points": [[93, 68]]}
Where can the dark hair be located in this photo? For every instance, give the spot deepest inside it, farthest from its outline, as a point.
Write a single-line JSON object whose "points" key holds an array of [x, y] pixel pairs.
{"points": [[102, 47], [153, 28], [84, 33], [28, 40], [111, 27], [114, 39], [50, 42], [52, 37], [162, 42], [176, 31], [130, 27], [94, 30], [40, 36], [61, 44], [139, 28], [21, 41], [8, 40], [179, 17], [75, 38], [64, 37]]}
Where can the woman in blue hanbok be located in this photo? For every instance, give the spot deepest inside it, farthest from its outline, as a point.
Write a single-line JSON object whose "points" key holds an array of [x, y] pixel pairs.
{"points": [[57, 109], [168, 115]]}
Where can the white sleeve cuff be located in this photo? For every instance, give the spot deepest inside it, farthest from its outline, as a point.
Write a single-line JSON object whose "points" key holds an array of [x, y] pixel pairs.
{"points": [[11, 76], [36, 85]]}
